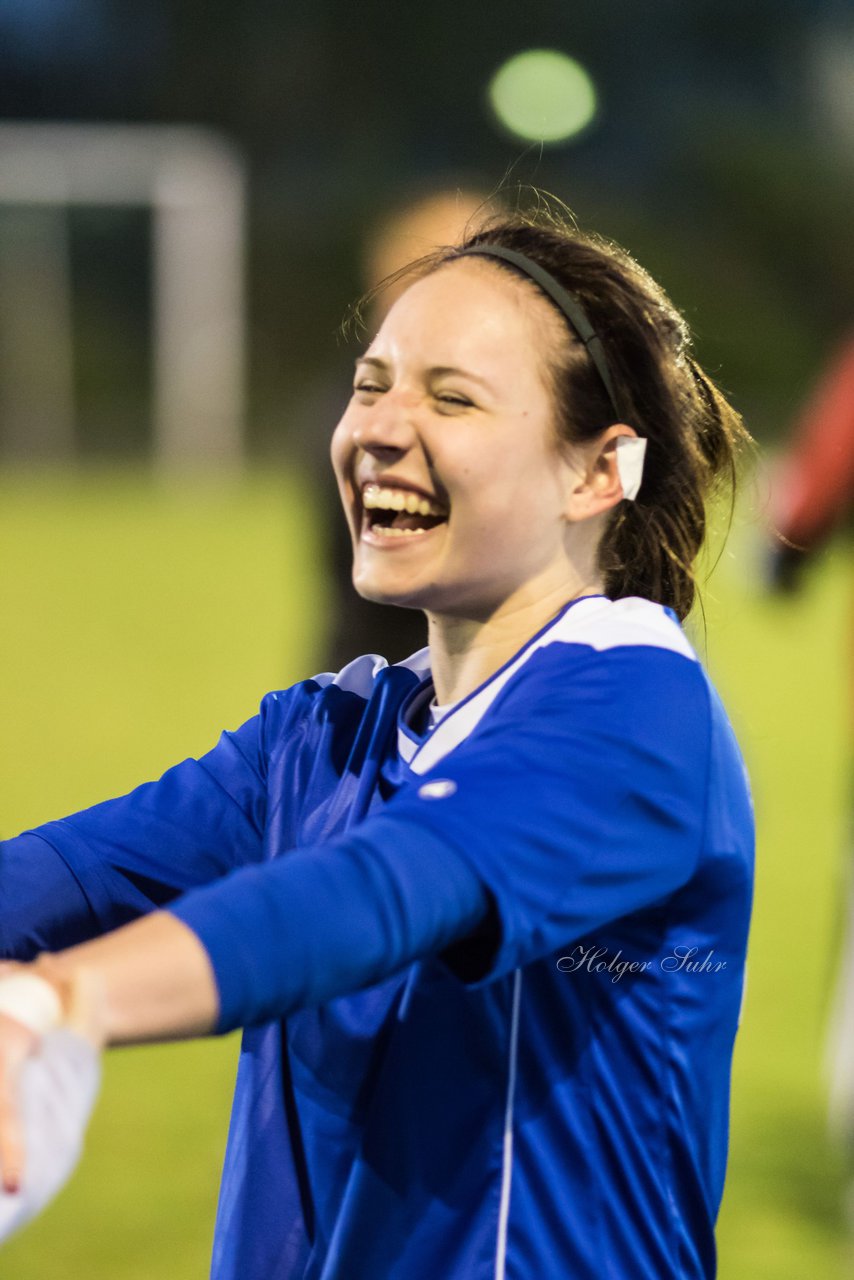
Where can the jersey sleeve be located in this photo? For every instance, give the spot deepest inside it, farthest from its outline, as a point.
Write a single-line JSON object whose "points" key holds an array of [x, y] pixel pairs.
{"points": [[80, 876], [579, 799]]}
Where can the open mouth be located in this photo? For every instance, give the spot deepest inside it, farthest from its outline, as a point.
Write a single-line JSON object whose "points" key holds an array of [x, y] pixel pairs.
{"points": [[400, 513]]}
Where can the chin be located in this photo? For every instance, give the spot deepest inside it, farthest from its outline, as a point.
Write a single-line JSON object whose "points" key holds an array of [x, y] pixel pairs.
{"points": [[380, 595]]}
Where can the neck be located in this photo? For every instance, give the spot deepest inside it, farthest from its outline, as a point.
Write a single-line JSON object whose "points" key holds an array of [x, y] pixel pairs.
{"points": [[464, 652]]}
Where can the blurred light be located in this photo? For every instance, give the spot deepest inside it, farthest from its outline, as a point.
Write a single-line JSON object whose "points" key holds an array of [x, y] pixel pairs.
{"points": [[543, 95]]}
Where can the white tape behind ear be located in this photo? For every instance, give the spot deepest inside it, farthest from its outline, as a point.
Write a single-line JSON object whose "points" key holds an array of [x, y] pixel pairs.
{"points": [[630, 455]]}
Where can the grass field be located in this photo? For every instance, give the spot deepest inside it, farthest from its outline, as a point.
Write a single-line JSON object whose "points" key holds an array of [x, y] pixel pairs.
{"points": [[139, 618]]}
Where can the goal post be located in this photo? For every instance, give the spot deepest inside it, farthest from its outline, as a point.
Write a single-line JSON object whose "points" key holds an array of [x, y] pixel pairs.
{"points": [[193, 181]]}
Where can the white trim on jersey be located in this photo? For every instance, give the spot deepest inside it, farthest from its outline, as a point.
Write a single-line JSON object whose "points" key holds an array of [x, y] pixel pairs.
{"points": [[507, 1159], [359, 676], [597, 622]]}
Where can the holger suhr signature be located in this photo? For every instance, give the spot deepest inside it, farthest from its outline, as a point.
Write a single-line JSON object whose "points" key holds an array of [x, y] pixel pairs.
{"points": [[594, 959]]}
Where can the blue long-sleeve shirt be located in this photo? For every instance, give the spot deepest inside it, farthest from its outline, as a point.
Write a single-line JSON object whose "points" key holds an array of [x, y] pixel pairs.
{"points": [[491, 972]]}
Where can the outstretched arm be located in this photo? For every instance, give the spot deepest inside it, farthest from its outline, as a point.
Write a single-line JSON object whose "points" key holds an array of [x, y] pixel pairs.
{"points": [[327, 920], [87, 874], [151, 980], [546, 825]]}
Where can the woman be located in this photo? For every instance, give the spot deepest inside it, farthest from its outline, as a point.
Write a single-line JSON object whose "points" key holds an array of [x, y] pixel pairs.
{"points": [[483, 913]]}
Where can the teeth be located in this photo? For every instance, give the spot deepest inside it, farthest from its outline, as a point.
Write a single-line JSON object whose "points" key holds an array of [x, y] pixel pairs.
{"points": [[388, 531], [377, 499]]}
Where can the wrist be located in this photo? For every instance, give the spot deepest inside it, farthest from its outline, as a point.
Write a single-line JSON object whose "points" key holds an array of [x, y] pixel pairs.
{"points": [[79, 994]]}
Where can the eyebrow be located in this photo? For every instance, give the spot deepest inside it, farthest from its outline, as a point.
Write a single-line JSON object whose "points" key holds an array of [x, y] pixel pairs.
{"points": [[437, 371]]}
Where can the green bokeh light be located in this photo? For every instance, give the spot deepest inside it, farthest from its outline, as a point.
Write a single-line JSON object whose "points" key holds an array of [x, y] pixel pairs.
{"points": [[543, 95]]}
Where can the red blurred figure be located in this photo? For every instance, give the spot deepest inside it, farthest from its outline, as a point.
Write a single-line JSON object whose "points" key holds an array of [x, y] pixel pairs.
{"points": [[814, 495], [815, 490]]}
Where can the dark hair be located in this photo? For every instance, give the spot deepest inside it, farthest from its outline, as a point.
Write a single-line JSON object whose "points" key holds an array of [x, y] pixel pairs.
{"points": [[693, 434]]}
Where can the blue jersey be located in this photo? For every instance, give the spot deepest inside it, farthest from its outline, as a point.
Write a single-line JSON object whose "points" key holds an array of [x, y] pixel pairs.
{"points": [[490, 971]]}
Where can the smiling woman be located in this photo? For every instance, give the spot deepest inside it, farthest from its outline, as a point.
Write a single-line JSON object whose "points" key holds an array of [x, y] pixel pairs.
{"points": [[443, 408], [378, 875]]}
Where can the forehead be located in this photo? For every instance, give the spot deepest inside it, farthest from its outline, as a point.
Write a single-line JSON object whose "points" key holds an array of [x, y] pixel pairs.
{"points": [[471, 311]]}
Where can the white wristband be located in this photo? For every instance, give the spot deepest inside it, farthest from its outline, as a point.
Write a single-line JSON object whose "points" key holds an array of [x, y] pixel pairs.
{"points": [[30, 1000]]}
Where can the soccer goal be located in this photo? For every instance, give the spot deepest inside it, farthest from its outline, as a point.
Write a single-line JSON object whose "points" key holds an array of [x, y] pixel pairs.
{"points": [[193, 182]]}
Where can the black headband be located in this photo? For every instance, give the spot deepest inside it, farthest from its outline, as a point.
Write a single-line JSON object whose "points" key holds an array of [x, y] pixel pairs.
{"points": [[567, 302]]}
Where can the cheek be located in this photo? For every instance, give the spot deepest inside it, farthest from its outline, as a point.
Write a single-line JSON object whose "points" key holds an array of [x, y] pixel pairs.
{"points": [[341, 451], [512, 509], [338, 446], [511, 483]]}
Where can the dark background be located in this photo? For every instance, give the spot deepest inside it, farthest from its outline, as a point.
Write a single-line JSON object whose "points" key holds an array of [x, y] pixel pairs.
{"points": [[721, 157]]}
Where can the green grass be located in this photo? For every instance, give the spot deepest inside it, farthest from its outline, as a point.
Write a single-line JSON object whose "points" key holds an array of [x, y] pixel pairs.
{"points": [[783, 668], [139, 618]]}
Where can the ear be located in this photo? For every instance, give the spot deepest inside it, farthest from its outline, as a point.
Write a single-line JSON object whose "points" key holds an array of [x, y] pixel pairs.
{"points": [[597, 485]]}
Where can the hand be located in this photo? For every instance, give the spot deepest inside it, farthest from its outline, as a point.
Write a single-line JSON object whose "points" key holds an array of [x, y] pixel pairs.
{"points": [[17, 1044], [49, 1080]]}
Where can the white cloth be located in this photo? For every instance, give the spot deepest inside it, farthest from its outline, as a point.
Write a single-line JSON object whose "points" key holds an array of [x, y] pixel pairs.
{"points": [[58, 1088]]}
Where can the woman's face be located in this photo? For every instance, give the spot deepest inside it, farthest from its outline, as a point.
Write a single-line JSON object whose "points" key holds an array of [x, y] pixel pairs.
{"points": [[454, 484]]}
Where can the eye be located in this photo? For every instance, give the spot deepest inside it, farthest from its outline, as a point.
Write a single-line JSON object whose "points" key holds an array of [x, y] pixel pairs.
{"points": [[454, 399], [365, 386]]}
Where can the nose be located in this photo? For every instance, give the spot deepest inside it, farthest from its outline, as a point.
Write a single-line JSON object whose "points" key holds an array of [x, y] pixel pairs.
{"points": [[387, 426]]}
